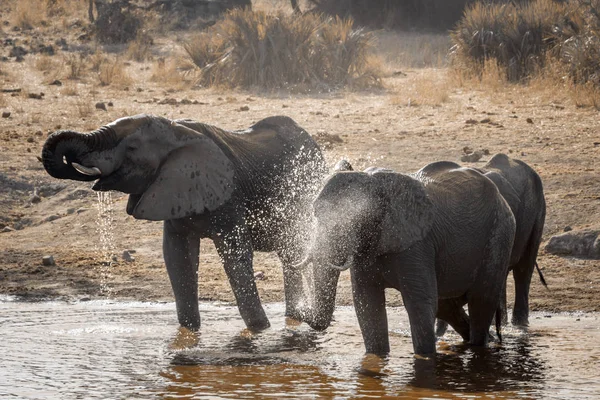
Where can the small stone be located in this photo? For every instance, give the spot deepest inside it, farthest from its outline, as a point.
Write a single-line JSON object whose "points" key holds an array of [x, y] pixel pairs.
{"points": [[244, 108], [127, 256], [48, 260], [30, 139], [260, 276], [471, 121], [110, 104], [529, 121], [35, 198], [7, 229], [567, 228], [37, 96], [56, 82], [80, 210], [39, 133], [5, 114], [101, 106], [52, 218], [472, 157]]}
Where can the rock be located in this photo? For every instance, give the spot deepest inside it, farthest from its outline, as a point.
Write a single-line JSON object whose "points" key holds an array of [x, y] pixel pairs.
{"points": [[583, 243], [6, 229], [48, 260], [529, 121], [56, 82], [471, 121], [101, 106], [71, 210], [52, 218], [260, 276], [472, 157], [244, 108], [30, 139], [567, 228], [83, 209], [127, 256], [5, 114], [37, 96], [35, 198]]}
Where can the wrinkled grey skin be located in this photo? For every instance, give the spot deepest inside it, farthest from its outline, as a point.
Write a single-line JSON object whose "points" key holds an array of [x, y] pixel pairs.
{"points": [[522, 188], [443, 242], [245, 190]]}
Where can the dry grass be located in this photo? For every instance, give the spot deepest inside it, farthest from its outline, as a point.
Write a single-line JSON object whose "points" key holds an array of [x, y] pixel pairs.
{"points": [[255, 49], [28, 14], [76, 65], [421, 90], [69, 89], [519, 36], [84, 107], [140, 49], [166, 73], [113, 72], [413, 50]]}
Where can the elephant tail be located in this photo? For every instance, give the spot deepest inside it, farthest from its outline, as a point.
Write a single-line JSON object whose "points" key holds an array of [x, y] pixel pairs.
{"points": [[542, 279], [499, 323]]}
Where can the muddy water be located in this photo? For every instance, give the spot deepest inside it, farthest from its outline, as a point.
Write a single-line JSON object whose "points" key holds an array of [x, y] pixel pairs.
{"points": [[112, 350]]}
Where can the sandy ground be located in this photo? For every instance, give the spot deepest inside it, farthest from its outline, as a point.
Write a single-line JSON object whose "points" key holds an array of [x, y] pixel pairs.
{"points": [[421, 115]]}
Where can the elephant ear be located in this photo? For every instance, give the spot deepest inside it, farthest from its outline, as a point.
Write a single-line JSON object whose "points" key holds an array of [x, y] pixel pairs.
{"points": [[408, 215], [194, 178]]}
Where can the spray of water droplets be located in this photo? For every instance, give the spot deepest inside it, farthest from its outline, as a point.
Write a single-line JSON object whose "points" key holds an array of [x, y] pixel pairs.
{"points": [[105, 247]]}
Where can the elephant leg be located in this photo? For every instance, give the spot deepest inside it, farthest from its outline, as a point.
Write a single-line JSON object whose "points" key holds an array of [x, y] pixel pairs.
{"points": [[369, 304], [235, 249], [181, 249], [292, 283], [441, 326], [522, 273], [418, 286], [503, 302], [522, 276], [451, 311]]}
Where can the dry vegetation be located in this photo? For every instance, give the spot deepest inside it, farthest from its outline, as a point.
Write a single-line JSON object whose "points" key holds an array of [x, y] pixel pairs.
{"points": [[257, 49], [557, 40]]}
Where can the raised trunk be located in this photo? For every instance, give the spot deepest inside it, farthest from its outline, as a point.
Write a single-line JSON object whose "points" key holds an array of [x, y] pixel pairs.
{"points": [[63, 148]]}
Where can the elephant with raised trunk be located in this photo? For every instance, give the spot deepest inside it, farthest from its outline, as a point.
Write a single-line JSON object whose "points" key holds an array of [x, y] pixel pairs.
{"points": [[522, 189], [246, 190], [442, 241]]}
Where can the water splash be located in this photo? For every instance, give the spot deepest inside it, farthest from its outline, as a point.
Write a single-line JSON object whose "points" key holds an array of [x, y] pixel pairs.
{"points": [[106, 245]]}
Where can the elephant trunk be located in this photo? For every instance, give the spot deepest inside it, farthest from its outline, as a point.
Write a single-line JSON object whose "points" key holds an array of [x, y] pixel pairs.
{"points": [[64, 150]]}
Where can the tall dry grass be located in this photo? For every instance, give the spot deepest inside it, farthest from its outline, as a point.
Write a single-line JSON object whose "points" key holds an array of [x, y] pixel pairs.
{"points": [[520, 36], [256, 49]]}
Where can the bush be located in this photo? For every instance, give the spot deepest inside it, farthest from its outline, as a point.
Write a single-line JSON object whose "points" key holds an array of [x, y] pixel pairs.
{"points": [[520, 37], [255, 49]]}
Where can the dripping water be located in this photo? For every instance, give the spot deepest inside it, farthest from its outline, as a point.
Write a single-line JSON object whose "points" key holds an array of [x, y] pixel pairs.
{"points": [[105, 246]]}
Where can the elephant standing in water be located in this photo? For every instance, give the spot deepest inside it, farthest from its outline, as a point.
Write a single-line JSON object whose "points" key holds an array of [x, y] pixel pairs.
{"points": [[246, 190], [442, 241], [522, 189]]}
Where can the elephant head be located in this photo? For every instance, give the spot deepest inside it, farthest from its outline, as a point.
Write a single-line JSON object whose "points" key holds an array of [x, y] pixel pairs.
{"points": [[358, 217], [169, 170]]}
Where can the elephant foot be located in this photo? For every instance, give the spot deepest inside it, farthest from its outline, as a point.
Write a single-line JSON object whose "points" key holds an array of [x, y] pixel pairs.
{"points": [[520, 321], [185, 339]]}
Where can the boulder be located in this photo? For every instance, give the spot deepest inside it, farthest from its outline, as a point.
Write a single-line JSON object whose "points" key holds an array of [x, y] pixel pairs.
{"points": [[583, 243]]}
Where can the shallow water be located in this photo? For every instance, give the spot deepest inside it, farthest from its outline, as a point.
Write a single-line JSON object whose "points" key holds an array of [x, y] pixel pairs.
{"points": [[120, 350]]}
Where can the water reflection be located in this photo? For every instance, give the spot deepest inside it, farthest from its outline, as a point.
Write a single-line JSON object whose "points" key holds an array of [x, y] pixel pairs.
{"points": [[135, 350]]}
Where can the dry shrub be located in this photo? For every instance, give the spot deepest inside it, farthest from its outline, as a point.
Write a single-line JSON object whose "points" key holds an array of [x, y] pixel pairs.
{"points": [[76, 64], [113, 72], [69, 89], [28, 14], [255, 49], [139, 49], [84, 107], [520, 35]]}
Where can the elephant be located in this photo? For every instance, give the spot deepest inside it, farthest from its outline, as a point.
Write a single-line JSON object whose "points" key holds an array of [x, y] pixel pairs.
{"points": [[442, 241], [246, 190], [522, 189]]}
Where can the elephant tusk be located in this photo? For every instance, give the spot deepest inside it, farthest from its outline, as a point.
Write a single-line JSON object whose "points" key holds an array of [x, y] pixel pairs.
{"points": [[307, 260], [344, 266], [93, 171]]}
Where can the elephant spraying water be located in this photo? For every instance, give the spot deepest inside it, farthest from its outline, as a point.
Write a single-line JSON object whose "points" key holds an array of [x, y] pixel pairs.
{"points": [[246, 190]]}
